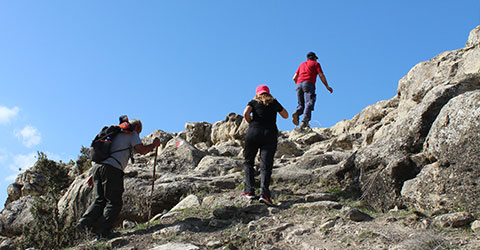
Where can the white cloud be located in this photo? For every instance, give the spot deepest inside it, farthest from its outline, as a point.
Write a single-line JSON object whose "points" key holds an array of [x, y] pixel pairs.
{"points": [[30, 136], [6, 114], [20, 164]]}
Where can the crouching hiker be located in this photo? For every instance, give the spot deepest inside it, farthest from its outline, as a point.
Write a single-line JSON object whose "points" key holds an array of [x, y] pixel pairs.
{"points": [[262, 134], [108, 179]]}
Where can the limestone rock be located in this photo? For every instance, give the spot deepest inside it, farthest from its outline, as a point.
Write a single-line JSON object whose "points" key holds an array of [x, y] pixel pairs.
{"points": [[474, 37], [162, 135], [197, 132], [190, 201], [459, 219], [175, 246], [288, 148], [355, 215], [475, 226], [76, 199], [227, 212], [233, 127], [15, 216], [218, 165], [14, 192], [320, 197], [453, 143], [179, 156], [229, 148], [321, 205], [386, 163], [31, 182]]}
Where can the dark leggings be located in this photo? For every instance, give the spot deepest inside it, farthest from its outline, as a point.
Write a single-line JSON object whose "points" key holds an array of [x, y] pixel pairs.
{"points": [[266, 141]]}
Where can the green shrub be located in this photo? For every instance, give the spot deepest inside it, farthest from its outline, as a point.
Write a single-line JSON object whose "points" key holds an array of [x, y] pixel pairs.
{"points": [[83, 162], [48, 230]]}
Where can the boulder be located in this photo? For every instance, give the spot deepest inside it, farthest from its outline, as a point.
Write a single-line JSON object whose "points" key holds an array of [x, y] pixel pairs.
{"points": [[452, 143], [179, 156], [233, 127], [287, 148], [190, 201], [459, 219], [30, 182], [229, 148], [355, 214], [197, 132], [14, 192], [76, 199], [474, 37], [15, 216], [175, 246], [218, 166], [309, 161], [162, 135], [138, 192]]}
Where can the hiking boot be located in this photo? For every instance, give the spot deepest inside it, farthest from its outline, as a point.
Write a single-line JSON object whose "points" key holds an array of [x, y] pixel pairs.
{"points": [[249, 196], [295, 119], [81, 226], [304, 125], [108, 235], [264, 199]]}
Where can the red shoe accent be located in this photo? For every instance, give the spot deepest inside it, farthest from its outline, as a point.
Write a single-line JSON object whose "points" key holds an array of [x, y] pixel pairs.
{"points": [[266, 200], [248, 195]]}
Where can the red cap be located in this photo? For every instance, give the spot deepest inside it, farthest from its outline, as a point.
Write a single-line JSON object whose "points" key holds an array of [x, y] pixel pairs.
{"points": [[262, 89]]}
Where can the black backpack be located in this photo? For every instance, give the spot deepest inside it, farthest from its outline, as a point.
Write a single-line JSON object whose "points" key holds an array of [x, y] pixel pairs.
{"points": [[100, 147]]}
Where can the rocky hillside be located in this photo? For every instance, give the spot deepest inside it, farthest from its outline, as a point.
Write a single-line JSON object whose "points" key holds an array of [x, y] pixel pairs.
{"points": [[402, 174]]}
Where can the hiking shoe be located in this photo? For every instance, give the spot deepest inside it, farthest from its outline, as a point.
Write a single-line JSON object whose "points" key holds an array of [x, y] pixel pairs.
{"points": [[304, 125], [295, 119], [108, 235], [81, 226], [249, 196], [264, 199]]}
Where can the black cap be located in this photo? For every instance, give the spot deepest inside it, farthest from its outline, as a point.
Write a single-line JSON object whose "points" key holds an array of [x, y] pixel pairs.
{"points": [[311, 55]]}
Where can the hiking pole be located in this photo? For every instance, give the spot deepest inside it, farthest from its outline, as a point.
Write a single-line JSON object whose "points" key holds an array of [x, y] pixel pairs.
{"points": [[153, 184]]}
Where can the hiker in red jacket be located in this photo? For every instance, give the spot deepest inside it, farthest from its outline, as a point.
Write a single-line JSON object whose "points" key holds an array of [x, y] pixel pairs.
{"points": [[305, 78]]}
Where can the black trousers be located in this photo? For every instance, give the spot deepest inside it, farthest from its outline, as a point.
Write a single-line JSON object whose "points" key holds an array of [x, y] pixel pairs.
{"points": [[264, 140], [108, 188]]}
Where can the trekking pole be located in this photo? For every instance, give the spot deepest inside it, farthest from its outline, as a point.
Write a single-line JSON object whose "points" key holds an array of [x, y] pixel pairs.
{"points": [[153, 184]]}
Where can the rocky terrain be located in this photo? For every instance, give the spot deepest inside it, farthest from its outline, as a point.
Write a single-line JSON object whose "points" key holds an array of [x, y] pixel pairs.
{"points": [[402, 174]]}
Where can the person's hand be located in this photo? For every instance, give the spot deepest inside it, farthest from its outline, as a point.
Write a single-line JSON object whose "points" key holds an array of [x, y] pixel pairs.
{"points": [[330, 89], [90, 181], [156, 142]]}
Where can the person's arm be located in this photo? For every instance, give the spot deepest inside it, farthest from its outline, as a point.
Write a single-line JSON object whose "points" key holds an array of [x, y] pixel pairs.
{"points": [[246, 113], [295, 77], [143, 149], [324, 80], [283, 114]]}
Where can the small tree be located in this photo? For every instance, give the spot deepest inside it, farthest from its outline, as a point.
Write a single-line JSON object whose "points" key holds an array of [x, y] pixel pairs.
{"points": [[48, 230], [83, 162]]}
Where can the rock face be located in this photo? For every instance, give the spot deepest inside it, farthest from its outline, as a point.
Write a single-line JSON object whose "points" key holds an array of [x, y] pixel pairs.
{"points": [[417, 150], [15, 216], [395, 148], [452, 144], [197, 132]]}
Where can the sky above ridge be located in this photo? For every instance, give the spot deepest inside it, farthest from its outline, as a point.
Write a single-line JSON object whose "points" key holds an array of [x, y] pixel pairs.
{"points": [[68, 68]]}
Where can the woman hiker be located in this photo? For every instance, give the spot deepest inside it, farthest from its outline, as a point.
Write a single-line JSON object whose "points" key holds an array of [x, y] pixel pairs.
{"points": [[261, 114]]}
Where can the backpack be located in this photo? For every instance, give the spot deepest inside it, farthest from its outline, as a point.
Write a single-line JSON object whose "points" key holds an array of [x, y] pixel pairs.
{"points": [[100, 148]]}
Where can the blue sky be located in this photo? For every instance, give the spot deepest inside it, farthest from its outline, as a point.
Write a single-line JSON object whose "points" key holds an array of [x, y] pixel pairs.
{"points": [[68, 68]]}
